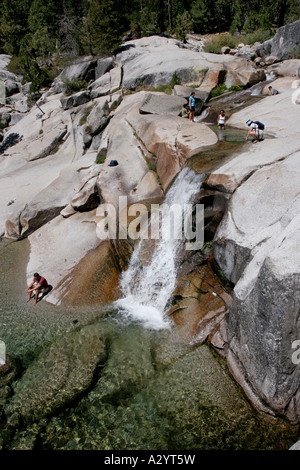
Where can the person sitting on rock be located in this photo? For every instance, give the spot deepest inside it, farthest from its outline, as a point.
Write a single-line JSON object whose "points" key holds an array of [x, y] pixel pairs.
{"points": [[273, 91], [38, 285]]}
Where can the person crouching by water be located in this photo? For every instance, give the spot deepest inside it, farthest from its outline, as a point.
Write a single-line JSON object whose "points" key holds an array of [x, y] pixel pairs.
{"points": [[38, 285], [222, 119], [254, 130], [192, 106], [185, 111]]}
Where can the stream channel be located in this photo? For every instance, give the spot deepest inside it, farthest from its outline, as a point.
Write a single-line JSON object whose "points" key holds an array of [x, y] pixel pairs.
{"points": [[147, 389]]}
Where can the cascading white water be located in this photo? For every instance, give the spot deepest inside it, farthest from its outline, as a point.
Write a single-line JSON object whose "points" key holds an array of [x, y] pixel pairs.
{"points": [[147, 286]]}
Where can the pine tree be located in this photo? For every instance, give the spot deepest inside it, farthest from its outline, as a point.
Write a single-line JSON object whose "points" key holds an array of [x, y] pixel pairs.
{"points": [[43, 27], [13, 24], [106, 24]]}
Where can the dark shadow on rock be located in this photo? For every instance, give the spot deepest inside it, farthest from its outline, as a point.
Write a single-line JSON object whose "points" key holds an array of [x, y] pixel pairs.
{"points": [[9, 141], [45, 293], [120, 49]]}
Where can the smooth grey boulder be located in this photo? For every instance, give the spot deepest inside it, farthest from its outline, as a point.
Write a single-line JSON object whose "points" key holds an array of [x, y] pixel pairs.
{"points": [[11, 87], [286, 41], [4, 60], [243, 73], [4, 120], [75, 100], [84, 71], [270, 59], [264, 49], [103, 66], [87, 197], [108, 83], [49, 143], [19, 102], [44, 206], [284, 44], [162, 104], [5, 75], [15, 117], [256, 248], [98, 117], [101, 86], [286, 68], [212, 79]]}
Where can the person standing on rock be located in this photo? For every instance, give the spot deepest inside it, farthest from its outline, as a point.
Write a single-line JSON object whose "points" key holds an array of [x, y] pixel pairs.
{"points": [[222, 120], [192, 106], [38, 285]]}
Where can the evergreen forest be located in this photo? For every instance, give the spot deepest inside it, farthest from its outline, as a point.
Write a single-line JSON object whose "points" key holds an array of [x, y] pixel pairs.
{"points": [[35, 32]]}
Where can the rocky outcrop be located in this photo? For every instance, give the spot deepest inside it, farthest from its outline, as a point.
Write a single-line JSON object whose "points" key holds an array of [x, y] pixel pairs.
{"points": [[162, 104], [56, 178], [75, 100], [243, 73], [167, 140], [103, 66], [284, 44], [106, 84], [168, 58], [83, 71], [256, 247], [289, 68], [13, 95]]}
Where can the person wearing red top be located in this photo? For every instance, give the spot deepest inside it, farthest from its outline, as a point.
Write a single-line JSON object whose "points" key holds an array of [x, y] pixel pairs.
{"points": [[38, 285]]}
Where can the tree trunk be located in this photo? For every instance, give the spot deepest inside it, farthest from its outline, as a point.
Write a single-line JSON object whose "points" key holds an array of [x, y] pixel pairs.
{"points": [[170, 13]]}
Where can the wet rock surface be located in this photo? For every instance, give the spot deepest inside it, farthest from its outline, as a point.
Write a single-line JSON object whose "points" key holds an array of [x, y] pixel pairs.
{"points": [[60, 375], [86, 372]]}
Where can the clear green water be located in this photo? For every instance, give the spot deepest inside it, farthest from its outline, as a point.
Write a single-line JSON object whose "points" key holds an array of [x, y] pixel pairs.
{"points": [[90, 380], [231, 141]]}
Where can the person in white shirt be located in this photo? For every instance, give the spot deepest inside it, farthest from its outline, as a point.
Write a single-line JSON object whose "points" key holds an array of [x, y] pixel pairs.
{"points": [[273, 91], [222, 120], [253, 130]]}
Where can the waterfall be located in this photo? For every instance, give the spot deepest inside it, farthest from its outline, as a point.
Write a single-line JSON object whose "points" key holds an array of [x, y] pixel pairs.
{"points": [[150, 279]]}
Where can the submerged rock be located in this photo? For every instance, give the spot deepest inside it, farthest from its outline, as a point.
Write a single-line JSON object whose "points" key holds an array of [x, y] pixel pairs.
{"points": [[62, 373]]}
